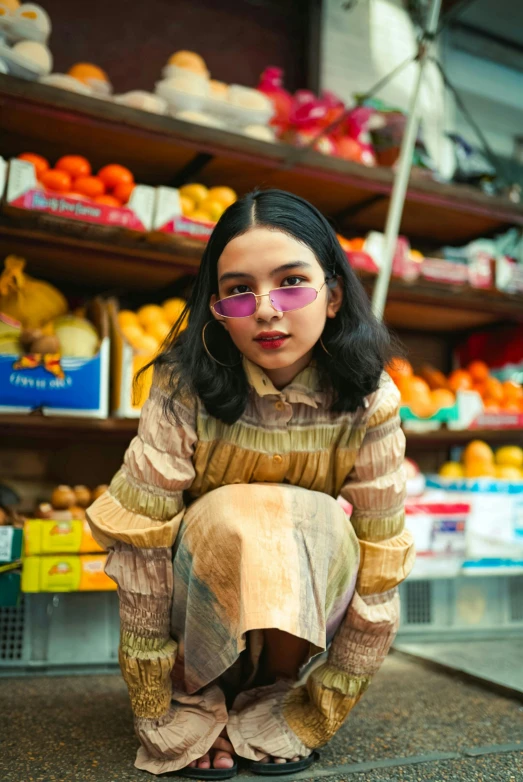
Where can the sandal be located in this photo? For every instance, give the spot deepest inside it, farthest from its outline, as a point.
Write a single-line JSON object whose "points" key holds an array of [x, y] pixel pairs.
{"points": [[278, 769], [208, 773]]}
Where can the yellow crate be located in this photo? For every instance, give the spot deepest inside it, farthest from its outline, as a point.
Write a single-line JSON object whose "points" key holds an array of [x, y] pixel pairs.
{"points": [[43, 536], [64, 573]]}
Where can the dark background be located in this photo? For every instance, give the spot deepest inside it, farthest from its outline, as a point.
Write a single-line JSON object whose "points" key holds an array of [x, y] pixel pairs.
{"points": [[132, 40]]}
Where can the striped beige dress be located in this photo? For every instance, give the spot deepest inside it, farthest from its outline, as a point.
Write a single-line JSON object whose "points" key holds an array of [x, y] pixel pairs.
{"points": [[216, 532]]}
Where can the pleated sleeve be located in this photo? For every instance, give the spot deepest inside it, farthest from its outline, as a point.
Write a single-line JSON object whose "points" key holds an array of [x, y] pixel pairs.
{"points": [[375, 488], [137, 520]]}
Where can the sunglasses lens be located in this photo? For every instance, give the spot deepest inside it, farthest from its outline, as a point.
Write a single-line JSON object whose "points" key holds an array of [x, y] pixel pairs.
{"points": [[240, 306], [286, 299]]}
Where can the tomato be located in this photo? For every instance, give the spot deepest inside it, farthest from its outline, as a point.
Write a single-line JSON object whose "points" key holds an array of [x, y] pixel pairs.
{"points": [[40, 163], [60, 181], [108, 200], [76, 165], [114, 174], [123, 191], [90, 186]]}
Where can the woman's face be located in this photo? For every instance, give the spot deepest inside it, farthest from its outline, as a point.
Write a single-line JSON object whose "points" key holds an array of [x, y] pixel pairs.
{"points": [[259, 261]]}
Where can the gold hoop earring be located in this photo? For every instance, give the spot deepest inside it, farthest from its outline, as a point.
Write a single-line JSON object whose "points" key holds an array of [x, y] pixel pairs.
{"points": [[324, 348], [229, 366]]}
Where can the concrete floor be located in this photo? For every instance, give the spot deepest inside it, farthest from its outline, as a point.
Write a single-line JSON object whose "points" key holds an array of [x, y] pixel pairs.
{"points": [[414, 723]]}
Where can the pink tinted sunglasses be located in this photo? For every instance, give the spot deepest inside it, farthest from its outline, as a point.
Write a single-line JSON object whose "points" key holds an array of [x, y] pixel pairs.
{"points": [[243, 305]]}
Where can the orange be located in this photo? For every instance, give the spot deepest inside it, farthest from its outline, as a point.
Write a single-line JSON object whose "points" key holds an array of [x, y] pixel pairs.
{"points": [[225, 195], [493, 389], [60, 181], [173, 308], [128, 318], [479, 469], [413, 388], [512, 391], [195, 191], [76, 165], [442, 398], [510, 407], [159, 330], [149, 314], [40, 163], [491, 405], [478, 371], [187, 204], [478, 451], [214, 209], [83, 71], [190, 61], [357, 244], [510, 456], [108, 200], [423, 407], [460, 380], [91, 186], [451, 470], [200, 216], [123, 191], [146, 344], [133, 334], [113, 175], [505, 472], [398, 368]]}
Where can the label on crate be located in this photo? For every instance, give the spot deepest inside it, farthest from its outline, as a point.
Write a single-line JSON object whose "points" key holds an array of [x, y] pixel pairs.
{"points": [[90, 212], [6, 543]]}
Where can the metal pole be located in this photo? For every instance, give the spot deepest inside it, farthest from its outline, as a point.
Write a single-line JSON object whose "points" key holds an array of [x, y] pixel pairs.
{"points": [[401, 178]]}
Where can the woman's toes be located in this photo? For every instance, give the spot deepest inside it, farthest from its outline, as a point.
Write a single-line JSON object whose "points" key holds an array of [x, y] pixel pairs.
{"points": [[266, 759], [193, 764], [280, 760], [205, 761], [294, 760], [223, 760]]}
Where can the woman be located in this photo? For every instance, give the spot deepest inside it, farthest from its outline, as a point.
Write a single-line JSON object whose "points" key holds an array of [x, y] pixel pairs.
{"points": [[253, 612]]}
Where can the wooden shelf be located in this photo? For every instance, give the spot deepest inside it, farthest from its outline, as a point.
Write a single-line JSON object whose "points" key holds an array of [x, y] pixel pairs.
{"points": [[162, 150], [35, 426], [444, 438], [72, 251]]}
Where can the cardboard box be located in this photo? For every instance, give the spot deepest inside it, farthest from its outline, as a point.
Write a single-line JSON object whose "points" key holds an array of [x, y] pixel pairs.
{"points": [[472, 415], [127, 397], [24, 192], [10, 544], [42, 536], [78, 387], [66, 573], [168, 217]]}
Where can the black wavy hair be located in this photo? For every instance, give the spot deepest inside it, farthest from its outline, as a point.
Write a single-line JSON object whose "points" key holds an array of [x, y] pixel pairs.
{"points": [[359, 344]]}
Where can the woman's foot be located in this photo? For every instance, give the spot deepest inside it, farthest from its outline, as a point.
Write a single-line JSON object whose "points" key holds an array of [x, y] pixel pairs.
{"points": [[270, 759], [219, 756]]}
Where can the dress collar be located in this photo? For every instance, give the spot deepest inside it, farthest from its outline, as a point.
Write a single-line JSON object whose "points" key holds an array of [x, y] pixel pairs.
{"points": [[305, 388]]}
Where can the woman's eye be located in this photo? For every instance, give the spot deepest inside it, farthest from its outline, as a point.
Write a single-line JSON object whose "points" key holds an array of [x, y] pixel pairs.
{"points": [[238, 289], [294, 277]]}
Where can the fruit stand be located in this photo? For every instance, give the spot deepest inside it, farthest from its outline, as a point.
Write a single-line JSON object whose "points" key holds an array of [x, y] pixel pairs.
{"points": [[113, 204]]}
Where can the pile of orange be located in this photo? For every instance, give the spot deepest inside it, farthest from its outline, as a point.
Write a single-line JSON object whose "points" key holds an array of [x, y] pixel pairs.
{"points": [[497, 396], [431, 389], [416, 391], [149, 327], [479, 461], [72, 176], [205, 204]]}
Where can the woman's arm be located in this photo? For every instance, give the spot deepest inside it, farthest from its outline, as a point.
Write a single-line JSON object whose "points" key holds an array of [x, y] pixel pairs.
{"points": [[137, 520], [376, 489]]}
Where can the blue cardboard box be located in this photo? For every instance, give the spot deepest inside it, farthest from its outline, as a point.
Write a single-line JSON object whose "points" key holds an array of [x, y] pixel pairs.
{"points": [[77, 387]]}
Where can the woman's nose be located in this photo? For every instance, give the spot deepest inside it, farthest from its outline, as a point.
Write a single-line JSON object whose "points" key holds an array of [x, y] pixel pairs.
{"points": [[266, 311]]}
